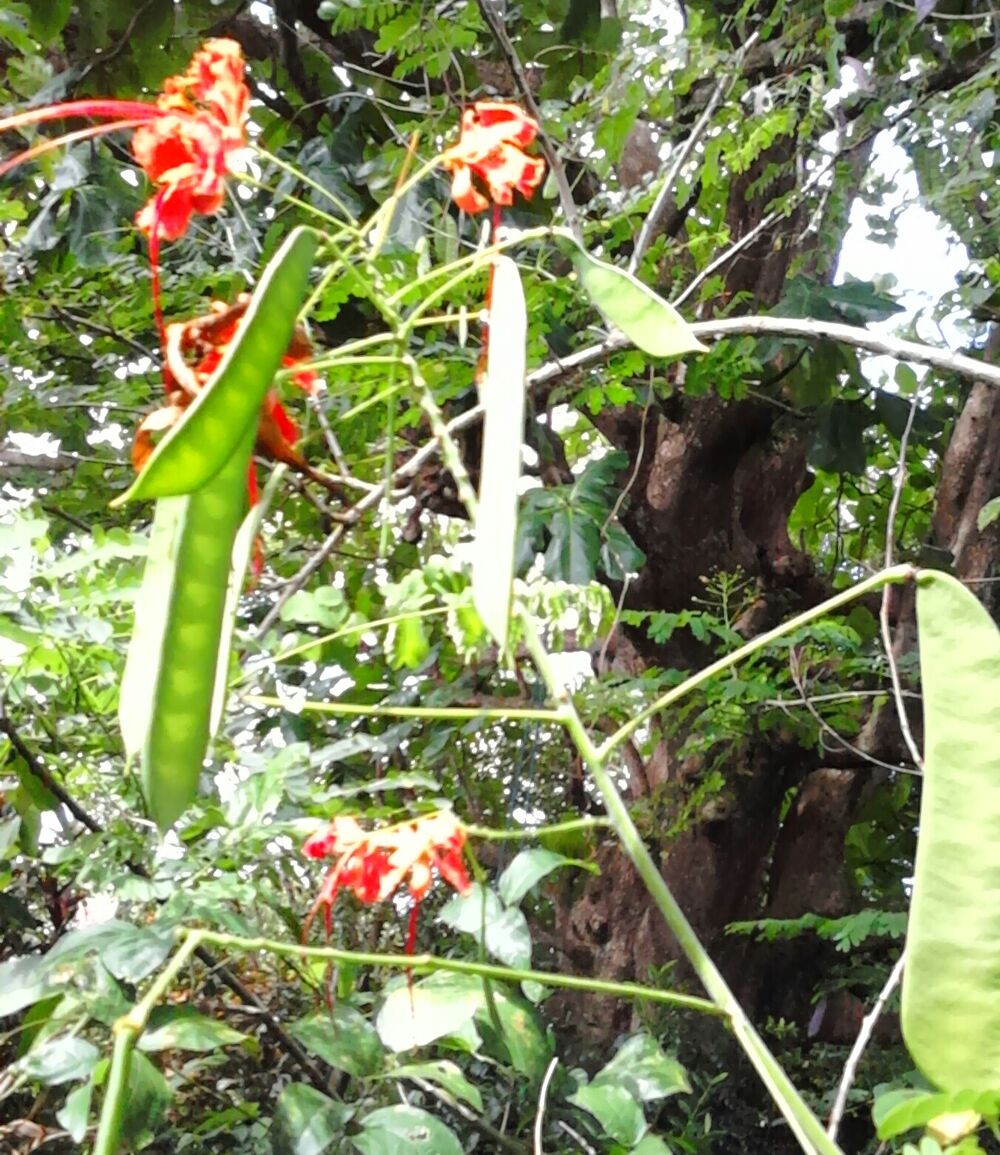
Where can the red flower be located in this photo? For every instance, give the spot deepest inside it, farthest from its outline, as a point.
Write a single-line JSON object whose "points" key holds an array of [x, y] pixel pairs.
{"points": [[193, 351], [185, 142], [188, 149], [374, 864], [490, 148]]}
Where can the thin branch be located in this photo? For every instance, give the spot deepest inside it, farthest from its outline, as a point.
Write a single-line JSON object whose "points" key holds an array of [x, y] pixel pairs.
{"points": [[860, 1043], [887, 639], [479, 1124], [856, 336], [495, 23], [655, 216], [540, 1114], [47, 780]]}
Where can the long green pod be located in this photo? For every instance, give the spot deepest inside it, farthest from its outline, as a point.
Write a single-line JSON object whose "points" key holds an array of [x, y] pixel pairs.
{"points": [[950, 1008], [214, 424], [165, 706], [649, 322]]}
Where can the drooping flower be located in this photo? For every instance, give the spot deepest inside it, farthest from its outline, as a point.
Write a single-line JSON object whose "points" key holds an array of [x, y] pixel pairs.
{"points": [[490, 149], [193, 350], [374, 864], [185, 141]]}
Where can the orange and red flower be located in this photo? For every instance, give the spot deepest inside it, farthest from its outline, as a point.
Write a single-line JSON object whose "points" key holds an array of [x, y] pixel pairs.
{"points": [[193, 350], [374, 864], [185, 142], [490, 149]]}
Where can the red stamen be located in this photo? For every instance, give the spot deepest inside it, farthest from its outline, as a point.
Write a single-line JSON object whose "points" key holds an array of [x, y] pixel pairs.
{"points": [[99, 109], [69, 138]]}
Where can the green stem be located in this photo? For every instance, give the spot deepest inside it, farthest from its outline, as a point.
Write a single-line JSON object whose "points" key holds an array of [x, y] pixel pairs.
{"points": [[390, 449], [524, 833], [310, 183], [429, 962], [897, 573], [439, 427], [127, 1031], [431, 713], [805, 1126]]}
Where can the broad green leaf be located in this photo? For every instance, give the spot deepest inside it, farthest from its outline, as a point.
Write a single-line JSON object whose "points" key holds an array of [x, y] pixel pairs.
{"points": [[644, 1070], [651, 1145], [445, 1074], [325, 607], [526, 1044], [75, 1112], [59, 1060], [184, 1029], [950, 1010], [343, 1037], [437, 1006], [307, 1122], [129, 952], [215, 425], [503, 432], [615, 1109], [393, 1130], [528, 868], [908, 1109], [504, 931], [644, 317], [23, 981], [146, 1101], [988, 514]]}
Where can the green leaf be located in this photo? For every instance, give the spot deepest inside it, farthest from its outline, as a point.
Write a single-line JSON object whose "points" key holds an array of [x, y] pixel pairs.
{"points": [[215, 425], [184, 1029], [445, 1074], [343, 1037], [645, 318], [651, 1145], [146, 1101], [528, 868], [392, 1130], [323, 607], [407, 644], [503, 432], [526, 1045], [950, 1011], [437, 1006], [59, 1060], [504, 930], [306, 1122], [644, 1070], [988, 514], [23, 981], [615, 1109], [73, 1115], [908, 1108], [129, 952]]}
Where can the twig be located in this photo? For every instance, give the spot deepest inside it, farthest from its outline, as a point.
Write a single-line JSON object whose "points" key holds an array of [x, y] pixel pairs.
{"points": [[540, 1114], [856, 336], [495, 23], [887, 639], [860, 1043], [479, 1124], [655, 215], [47, 780], [222, 972], [795, 672]]}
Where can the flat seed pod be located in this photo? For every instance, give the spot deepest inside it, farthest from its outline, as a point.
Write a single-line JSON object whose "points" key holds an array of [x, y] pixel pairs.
{"points": [[950, 1004], [214, 424], [645, 318], [165, 704], [503, 432]]}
